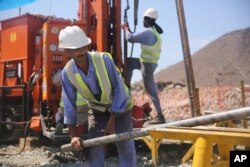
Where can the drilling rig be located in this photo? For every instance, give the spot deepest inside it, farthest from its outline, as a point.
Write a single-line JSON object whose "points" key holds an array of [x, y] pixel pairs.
{"points": [[30, 57]]}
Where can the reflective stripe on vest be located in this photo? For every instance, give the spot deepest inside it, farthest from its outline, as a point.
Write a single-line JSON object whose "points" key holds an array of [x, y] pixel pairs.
{"points": [[102, 75], [80, 101], [151, 54]]}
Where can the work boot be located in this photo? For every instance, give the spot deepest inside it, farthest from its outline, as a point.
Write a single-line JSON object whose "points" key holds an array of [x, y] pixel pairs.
{"points": [[59, 128], [159, 119]]}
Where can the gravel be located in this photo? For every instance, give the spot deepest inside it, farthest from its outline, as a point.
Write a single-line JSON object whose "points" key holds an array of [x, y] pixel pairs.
{"points": [[48, 155]]}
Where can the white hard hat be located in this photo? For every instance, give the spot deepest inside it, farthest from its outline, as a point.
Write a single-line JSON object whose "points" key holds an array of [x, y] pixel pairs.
{"points": [[73, 37], [151, 13]]}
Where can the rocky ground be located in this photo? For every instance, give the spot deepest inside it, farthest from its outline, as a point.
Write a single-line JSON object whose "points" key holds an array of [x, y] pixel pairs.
{"points": [[47, 154], [175, 103], [175, 99]]}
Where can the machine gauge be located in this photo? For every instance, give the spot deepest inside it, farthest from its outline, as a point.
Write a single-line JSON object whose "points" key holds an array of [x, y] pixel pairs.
{"points": [[54, 30], [52, 47]]}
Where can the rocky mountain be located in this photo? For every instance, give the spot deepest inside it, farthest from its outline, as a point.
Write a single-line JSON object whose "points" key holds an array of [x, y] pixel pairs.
{"points": [[224, 61]]}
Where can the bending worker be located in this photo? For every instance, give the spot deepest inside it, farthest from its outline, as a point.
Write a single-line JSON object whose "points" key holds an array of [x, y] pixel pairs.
{"points": [[151, 42], [95, 76]]}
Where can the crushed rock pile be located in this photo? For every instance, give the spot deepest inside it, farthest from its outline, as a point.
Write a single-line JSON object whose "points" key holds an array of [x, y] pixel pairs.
{"points": [[49, 156], [175, 99]]}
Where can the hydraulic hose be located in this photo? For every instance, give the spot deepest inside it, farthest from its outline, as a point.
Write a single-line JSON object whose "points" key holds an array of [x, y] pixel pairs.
{"points": [[136, 6]]}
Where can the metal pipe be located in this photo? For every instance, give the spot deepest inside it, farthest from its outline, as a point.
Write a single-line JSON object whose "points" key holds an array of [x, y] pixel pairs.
{"points": [[125, 47], [201, 120], [187, 58], [136, 5]]}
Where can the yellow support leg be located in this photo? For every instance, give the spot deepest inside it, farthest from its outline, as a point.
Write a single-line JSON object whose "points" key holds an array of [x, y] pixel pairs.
{"points": [[153, 144], [202, 153], [188, 155], [154, 150], [147, 140], [224, 150], [224, 155]]}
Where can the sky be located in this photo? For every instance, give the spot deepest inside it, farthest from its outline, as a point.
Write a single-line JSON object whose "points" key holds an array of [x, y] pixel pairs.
{"points": [[206, 20]]}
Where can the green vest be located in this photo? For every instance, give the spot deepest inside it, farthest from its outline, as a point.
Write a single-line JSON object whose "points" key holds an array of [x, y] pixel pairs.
{"points": [[104, 82], [151, 54], [80, 101]]}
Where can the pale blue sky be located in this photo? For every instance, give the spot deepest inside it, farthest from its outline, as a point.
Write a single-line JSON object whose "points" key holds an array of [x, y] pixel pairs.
{"points": [[206, 21]]}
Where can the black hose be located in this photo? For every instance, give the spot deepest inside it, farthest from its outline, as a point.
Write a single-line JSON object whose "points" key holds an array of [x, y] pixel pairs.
{"points": [[136, 6], [25, 134]]}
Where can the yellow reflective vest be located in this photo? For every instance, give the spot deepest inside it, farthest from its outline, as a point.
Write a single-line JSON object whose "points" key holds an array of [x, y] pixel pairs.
{"points": [[104, 82], [151, 54], [80, 101]]}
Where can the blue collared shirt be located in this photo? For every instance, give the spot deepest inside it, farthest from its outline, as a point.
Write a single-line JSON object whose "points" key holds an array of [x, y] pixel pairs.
{"points": [[118, 95], [145, 37]]}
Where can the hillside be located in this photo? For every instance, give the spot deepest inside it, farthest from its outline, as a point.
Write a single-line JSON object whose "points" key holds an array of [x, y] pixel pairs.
{"points": [[225, 60]]}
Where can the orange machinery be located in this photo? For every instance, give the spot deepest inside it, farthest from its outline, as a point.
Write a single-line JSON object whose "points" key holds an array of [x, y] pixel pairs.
{"points": [[103, 20], [16, 63], [29, 57]]}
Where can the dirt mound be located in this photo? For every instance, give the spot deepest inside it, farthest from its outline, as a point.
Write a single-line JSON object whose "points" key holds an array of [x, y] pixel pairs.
{"points": [[175, 99], [225, 61]]}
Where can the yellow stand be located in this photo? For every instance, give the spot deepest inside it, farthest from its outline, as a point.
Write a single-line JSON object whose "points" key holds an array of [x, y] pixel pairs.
{"points": [[204, 138]]}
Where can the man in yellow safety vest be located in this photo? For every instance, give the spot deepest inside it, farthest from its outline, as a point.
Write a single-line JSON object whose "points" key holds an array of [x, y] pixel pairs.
{"points": [[95, 76]]}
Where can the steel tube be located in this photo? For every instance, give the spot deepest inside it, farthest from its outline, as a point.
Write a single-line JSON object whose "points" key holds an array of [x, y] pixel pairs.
{"points": [[201, 120], [187, 58]]}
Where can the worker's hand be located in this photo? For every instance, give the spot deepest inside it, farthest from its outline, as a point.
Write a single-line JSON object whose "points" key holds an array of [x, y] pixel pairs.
{"points": [[125, 27], [110, 127], [76, 143]]}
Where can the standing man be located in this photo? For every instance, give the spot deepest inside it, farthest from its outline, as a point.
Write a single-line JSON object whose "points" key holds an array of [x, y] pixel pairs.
{"points": [[96, 78], [151, 42]]}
